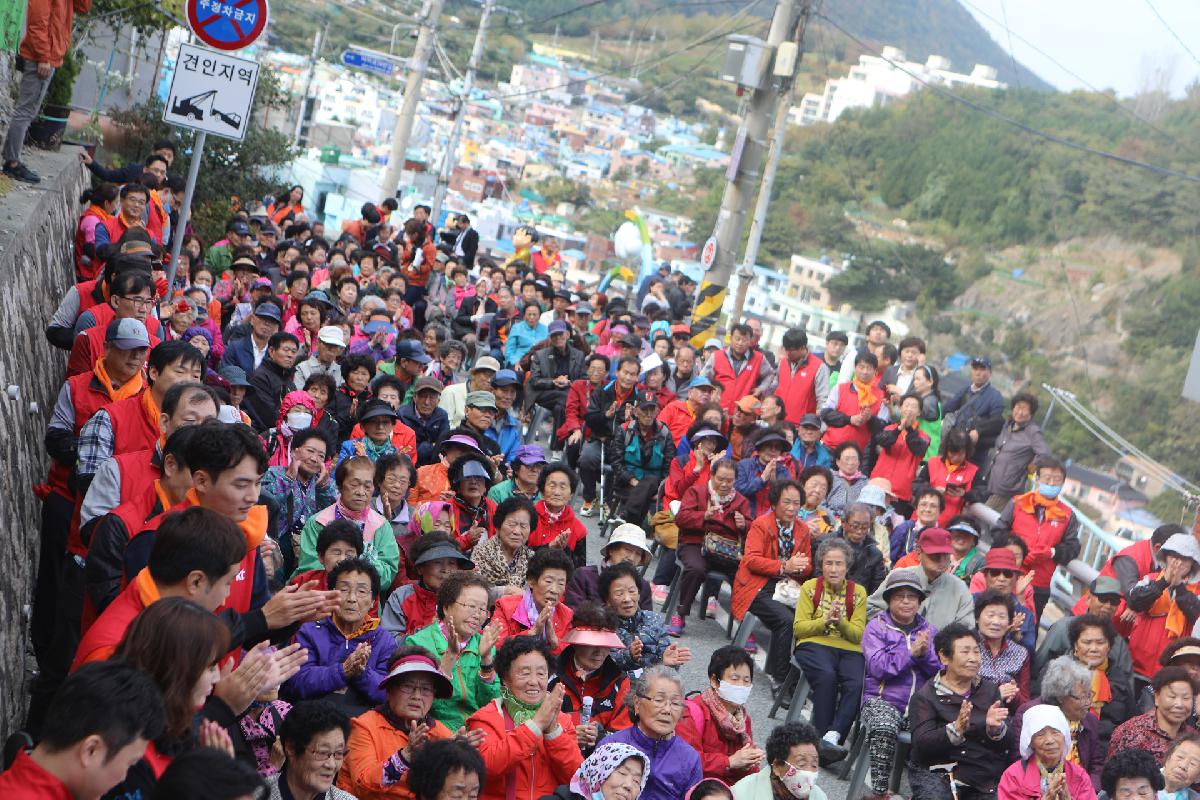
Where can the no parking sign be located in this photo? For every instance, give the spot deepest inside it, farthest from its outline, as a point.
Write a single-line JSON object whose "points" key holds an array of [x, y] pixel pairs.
{"points": [[227, 24]]}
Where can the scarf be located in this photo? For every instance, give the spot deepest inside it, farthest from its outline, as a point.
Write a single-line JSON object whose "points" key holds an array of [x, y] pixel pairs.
{"points": [[1073, 755], [100, 213], [719, 500], [1031, 501], [127, 389], [377, 451], [851, 478], [866, 394], [603, 761], [731, 726], [368, 624], [1101, 690], [959, 567], [787, 541], [520, 711], [531, 610], [150, 408], [551, 516], [359, 518], [1165, 606]]}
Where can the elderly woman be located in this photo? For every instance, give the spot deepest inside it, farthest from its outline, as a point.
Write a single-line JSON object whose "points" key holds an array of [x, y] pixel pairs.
{"points": [[470, 475], [1181, 770], [957, 719], [348, 652], [612, 772], [1003, 661], [504, 558], [529, 744], [586, 669], [848, 479], [898, 645], [383, 741], [778, 550], [1174, 696], [435, 557], [314, 746], [465, 649], [658, 704], [713, 519], [537, 612], [557, 524], [793, 761], [716, 722], [816, 481], [1044, 771], [1131, 774], [868, 569], [1067, 685], [447, 768], [830, 617], [1110, 686], [1167, 602], [642, 632]]}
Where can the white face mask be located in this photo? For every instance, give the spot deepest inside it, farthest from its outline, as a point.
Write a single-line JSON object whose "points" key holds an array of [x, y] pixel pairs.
{"points": [[732, 693], [799, 782], [299, 420]]}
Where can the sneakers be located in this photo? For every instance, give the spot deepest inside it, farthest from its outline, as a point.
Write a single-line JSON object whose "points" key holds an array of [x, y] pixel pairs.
{"points": [[751, 645], [587, 508], [676, 627], [710, 610], [829, 749], [659, 593], [20, 172]]}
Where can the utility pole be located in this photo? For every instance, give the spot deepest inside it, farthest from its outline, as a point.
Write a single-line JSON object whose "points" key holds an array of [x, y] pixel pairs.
{"points": [[417, 67], [451, 153], [312, 69], [778, 135], [743, 177], [555, 44], [595, 43]]}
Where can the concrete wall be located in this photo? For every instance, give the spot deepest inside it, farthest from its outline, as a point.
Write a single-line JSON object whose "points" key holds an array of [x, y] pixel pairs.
{"points": [[37, 228]]}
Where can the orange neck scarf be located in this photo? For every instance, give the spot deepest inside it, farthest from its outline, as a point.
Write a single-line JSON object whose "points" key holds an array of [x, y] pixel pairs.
{"points": [[150, 408], [1165, 606], [127, 389], [254, 526], [1052, 509], [147, 588], [1101, 690], [866, 394], [101, 213]]}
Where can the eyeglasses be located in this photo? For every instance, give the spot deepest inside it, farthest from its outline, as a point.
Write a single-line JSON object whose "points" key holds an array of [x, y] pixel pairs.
{"points": [[325, 755], [662, 701], [138, 302], [416, 688], [310, 451], [471, 608]]}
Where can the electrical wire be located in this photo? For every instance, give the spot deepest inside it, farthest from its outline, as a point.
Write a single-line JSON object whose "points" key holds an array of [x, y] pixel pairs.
{"points": [[1171, 31], [1016, 123], [581, 7], [1011, 55]]}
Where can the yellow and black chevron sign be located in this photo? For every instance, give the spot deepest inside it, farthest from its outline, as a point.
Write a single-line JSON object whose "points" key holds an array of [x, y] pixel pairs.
{"points": [[707, 313]]}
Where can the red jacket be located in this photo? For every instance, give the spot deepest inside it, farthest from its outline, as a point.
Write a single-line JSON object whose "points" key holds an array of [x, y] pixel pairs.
{"points": [[577, 400], [694, 523], [682, 477], [48, 29], [796, 387], [538, 766], [761, 562], [513, 621], [697, 728], [678, 416], [940, 477], [548, 531], [27, 780], [900, 457], [736, 385], [135, 425], [1041, 536], [608, 687]]}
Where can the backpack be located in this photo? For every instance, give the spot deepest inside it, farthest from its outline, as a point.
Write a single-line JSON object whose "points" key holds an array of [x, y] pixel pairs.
{"points": [[820, 590]]}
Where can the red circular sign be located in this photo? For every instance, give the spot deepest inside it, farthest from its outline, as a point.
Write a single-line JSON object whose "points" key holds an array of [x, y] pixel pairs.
{"points": [[227, 24], [708, 255]]}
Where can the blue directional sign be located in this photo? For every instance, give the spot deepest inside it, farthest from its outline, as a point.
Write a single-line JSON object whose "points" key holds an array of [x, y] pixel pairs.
{"points": [[369, 63]]}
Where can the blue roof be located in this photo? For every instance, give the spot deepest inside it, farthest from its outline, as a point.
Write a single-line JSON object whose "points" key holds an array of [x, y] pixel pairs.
{"points": [[699, 151], [1140, 516]]}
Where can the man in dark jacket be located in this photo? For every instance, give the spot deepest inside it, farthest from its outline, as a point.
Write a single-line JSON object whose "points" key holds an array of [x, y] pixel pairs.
{"points": [[608, 408], [554, 368], [248, 352], [132, 172], [429, 422], [271, 381], [977, 409], [461, 241], [506, 314], [868, 568], [640, 452]]}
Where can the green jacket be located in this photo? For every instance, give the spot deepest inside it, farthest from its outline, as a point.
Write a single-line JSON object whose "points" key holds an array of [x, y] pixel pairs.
{"points": [[218, 257], [470, 692], [504, 490], [381, 549]]}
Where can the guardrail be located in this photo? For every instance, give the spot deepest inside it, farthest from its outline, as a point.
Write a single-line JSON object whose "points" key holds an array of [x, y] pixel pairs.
{"points": [[1097, 546]]}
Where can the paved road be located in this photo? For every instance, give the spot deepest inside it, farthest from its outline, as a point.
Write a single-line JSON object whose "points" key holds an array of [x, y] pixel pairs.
{"points": [[703, 637]]}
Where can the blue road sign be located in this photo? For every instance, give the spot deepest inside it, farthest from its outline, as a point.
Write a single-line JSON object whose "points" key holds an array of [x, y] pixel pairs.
{"points": [[368, 62]]}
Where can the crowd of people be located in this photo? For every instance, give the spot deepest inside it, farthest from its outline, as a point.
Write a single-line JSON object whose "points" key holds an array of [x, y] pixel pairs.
{"points": [[298, 540]]}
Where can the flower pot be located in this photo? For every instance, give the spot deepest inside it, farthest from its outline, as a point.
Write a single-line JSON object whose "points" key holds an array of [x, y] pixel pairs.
{"points": [[47, 130]]}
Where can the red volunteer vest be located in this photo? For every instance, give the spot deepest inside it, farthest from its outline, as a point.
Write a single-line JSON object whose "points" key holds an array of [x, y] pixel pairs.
{"points": [[88, 295], [848, 404], [940, 477], [1141, 553], [739, 385], [1040, 536], [87, 400], [88, 348], [796, 387], [131, 429], [91, 269], [899, 465]]}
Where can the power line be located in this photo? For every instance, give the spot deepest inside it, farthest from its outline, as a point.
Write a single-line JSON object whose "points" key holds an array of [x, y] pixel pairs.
{"points": [[1171, 31], [582, 7], [1011, 55], [1016, 123]]}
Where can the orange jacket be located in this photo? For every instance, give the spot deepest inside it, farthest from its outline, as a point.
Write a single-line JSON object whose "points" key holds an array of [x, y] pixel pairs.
{"points": [[761, 562], [537, 766], [373, 740], [48, 29]]}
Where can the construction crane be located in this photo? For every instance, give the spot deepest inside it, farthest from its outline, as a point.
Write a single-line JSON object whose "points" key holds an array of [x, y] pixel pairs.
{"points": [[190, 107]]}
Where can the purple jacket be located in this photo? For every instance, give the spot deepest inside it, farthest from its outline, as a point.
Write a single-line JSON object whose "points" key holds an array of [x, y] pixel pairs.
{"points": [[674, 764], [327, 649], [892, 672]]}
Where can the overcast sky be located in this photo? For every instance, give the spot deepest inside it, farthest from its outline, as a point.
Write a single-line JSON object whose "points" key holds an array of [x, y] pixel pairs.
{"points": [[1116, 44]]}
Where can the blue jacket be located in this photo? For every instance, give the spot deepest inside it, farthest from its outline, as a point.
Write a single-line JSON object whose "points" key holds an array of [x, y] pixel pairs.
{"points": [[820, 456], [748, 482], [674, 764], [240, 353], [521, 338], [506, 433], [327, 648], [429, 431]]}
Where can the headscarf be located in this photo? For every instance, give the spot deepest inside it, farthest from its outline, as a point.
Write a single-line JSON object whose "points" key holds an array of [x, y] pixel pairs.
{"points": [[426, 514], [1036, 719], [196, 330], [281, 453], [603, 761]]}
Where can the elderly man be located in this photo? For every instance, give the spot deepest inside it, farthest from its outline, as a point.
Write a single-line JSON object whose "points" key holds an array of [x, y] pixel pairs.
{"points": [[555, 366], [454, 399]]}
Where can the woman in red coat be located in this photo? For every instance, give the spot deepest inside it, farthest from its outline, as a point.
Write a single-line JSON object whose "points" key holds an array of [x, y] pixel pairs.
{"points": [[707, 511], [716, 723], [538, 612], [530, 743], [706, 443], [903, 446]]}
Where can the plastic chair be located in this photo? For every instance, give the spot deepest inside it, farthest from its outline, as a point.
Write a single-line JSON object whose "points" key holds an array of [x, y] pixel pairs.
{"points": [[900, 762], [672, 601], [799, 694], [536, 421], [712, 579], [745, 629]]}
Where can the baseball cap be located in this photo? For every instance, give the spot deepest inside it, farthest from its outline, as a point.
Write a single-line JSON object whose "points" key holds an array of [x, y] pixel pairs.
{"points": [[563, 294], [714, 342], [810, 421], [529, 454], [631, 340], [486, 362], [981, 361], [934, 541], [412, 350], [428, 383], [681, 327], [1106, 586], [700, 382], [1000, 558], [239, 227], [127, 334], [505, 377], [319, 296], [331, 334], [583, 308], [377, 408], [647, 400], [269, 311], [481, 399], [235, 375], [749, 404], [558, 326]]}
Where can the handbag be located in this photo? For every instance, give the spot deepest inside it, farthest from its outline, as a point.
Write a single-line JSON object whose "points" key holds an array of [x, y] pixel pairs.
{"points": [[721, 550], [665, 529], [787, 591]]}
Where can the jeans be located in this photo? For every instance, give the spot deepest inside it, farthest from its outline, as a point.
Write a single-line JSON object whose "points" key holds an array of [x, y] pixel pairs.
{"points": [[29, 100], [836, 677], [56, 524], [778, 619]]}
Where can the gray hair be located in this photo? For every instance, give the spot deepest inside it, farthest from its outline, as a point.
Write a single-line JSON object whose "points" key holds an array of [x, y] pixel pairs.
{"points": [[859, 508], [372, 301], [649, 675], [1061, 677], [835, 543]]}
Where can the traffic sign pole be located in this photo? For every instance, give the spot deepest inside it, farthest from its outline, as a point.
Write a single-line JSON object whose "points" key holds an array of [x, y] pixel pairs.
{"points": [[185, 211]]}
